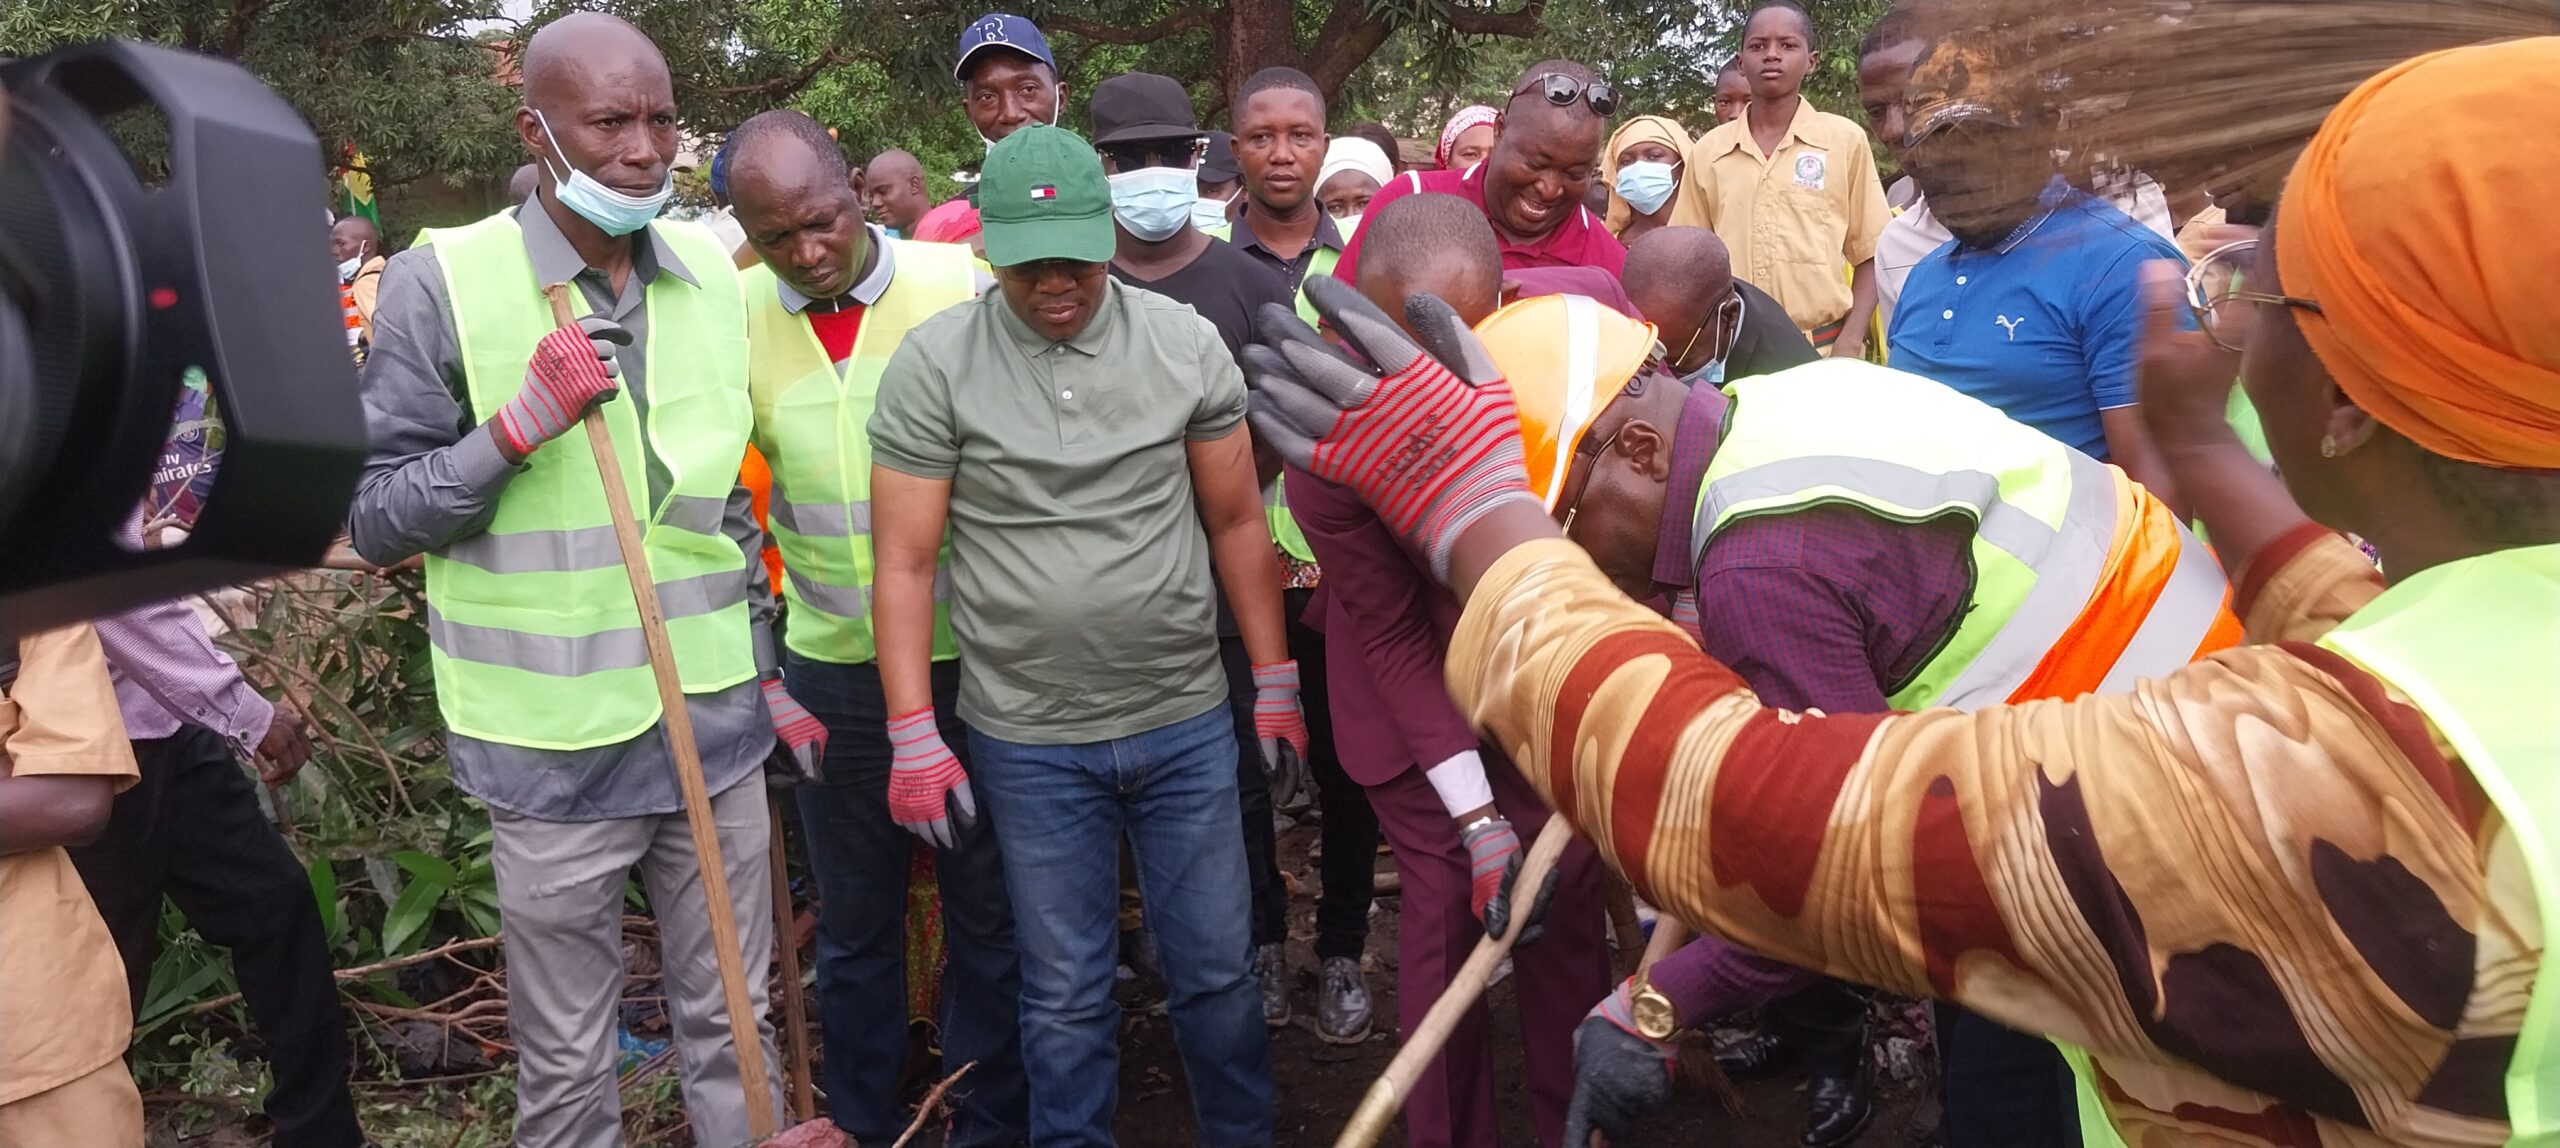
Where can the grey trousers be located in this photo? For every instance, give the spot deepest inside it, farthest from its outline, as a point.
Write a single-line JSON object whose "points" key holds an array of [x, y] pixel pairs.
{"points": [[560, 893]]}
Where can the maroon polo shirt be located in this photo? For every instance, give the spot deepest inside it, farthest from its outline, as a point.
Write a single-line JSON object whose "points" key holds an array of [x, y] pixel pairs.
{"points": [[1579, 241]]}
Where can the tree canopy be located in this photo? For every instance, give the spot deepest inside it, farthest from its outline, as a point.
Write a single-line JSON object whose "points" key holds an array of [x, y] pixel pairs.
{"points": [[418, 88]]}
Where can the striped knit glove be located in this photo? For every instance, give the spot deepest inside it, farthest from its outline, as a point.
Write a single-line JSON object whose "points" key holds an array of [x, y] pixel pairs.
{"points": [[800, 733], [928, 792], [1281, 723], [1493, 856], [1428, 437], [570, 370]]}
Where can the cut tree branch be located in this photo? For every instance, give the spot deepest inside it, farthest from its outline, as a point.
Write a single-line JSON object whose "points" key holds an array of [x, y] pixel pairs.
{"points": [[788, 84], [1181, 20]]}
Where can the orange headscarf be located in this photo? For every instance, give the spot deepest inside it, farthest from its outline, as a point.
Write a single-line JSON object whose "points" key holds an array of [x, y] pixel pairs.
{"points": [[2419, 218]]}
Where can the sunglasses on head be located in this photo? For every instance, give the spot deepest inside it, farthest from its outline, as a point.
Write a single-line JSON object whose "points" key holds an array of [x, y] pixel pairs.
{"points": [[1135, 154], [1562, 90]]}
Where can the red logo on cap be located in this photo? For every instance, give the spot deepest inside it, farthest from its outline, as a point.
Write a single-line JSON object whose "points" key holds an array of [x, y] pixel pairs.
{"points": [[1044, 191]]}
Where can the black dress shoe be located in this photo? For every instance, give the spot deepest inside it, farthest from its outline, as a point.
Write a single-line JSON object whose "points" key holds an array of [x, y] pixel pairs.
{"points": [[1836, 1110], [1758, 1056]]}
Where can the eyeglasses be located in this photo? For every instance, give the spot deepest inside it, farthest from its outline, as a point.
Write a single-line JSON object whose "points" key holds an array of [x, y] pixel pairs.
{"points": [[1589, 460], [2215, 281], [1136, 154], [1728, 317], [1562, 90]]}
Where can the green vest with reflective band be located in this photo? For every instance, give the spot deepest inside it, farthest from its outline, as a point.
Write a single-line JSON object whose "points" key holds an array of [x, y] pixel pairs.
{"points": [[1284, 526], [534, 635], [1910, 450], [2476, 645], [813, 427]]}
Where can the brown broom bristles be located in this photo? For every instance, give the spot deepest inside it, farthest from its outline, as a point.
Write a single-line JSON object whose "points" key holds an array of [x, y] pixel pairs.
{"points": [[2219, 92]]}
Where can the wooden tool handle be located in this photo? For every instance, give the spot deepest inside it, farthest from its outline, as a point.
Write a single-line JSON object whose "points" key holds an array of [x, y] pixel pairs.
{"points": [[1386, 1095], [678, 721]]}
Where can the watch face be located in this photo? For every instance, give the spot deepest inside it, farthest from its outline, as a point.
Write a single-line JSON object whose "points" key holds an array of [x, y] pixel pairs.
{"points": [[1655, 1018]]}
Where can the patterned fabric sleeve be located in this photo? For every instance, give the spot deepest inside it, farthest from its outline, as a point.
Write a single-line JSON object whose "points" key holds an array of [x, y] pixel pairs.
{"points": [[2259, 867]]}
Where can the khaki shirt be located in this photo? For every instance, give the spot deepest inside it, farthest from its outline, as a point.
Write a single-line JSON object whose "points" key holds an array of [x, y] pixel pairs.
{"points": [[1079, 569], [1794, 221], [64, 1012]]}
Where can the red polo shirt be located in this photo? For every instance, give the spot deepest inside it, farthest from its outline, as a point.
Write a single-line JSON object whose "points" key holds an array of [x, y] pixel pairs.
{"points": [[1579, 241]]}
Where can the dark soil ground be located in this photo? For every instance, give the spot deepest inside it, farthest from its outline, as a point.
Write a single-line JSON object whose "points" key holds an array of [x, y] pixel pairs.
{"points": [[1320, 1084]]}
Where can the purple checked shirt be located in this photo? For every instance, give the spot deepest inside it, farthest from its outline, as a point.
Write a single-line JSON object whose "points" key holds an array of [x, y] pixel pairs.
{"points": [[168, 671]]}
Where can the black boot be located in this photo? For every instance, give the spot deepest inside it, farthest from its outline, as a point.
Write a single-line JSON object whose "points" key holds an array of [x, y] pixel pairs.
{"points": [[1837, 1108], [1758, 1056]]}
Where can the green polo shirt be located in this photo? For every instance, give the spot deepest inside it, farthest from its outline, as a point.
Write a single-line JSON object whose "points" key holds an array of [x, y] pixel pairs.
{"points": [[1079, 570]]}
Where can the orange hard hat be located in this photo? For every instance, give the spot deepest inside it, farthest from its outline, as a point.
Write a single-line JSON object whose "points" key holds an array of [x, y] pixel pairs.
{"points": [[1567, 357]]}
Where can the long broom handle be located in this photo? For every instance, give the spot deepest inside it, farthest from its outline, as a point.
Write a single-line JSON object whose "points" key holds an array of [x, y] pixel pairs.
{"points": [[688, 757], [1386, 1095]]}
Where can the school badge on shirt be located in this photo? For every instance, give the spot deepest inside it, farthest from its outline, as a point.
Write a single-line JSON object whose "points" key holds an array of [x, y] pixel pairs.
{"points": [[1810, 168]]}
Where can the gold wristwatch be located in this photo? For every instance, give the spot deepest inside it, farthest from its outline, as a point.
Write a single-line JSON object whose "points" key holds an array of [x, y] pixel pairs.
{"points": [[1655, 1018]]}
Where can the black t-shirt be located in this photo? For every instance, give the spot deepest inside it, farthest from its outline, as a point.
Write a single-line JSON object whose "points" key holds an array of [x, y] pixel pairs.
{"points": [[1225, 286], [1769, 341]]}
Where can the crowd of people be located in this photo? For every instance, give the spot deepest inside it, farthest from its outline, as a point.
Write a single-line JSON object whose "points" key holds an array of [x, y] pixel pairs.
{"points": [[1829, 556]]}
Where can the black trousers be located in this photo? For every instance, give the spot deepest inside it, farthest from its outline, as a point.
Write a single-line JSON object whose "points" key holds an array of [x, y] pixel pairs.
{"points": [[191, 829], [1350, 830], [1253, 800], [1827, 1023], [2004, 1088]]}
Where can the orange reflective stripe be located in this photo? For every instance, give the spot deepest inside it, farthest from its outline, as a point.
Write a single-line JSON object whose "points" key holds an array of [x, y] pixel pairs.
{"points": [[2140, 561]]}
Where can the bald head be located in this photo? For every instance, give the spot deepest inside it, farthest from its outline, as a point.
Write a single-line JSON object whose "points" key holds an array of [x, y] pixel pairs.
{"points": [[598, 99], [1431, 244], [354, 237], [1678, 277], [893, 185]]}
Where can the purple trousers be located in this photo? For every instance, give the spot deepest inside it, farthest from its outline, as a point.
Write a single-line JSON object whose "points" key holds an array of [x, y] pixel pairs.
{"points": [[1556, 979]]}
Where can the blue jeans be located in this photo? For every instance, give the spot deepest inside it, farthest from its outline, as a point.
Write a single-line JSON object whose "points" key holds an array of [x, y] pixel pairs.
{"points": [[860, 857], [1172, 793]]}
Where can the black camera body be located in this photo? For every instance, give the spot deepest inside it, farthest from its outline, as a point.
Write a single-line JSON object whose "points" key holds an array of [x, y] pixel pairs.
{"points": [[114, 282]]}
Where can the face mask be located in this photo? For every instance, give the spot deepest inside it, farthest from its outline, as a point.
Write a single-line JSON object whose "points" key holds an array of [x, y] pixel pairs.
{"points": [[347, 268], [1646, 186], [1154, 202], [611, 211], [1711, 375], [1348, 225], [1207, 213]]}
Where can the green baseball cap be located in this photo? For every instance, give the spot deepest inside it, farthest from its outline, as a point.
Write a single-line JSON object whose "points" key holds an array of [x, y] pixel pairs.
{"points": [[1041, 195]]}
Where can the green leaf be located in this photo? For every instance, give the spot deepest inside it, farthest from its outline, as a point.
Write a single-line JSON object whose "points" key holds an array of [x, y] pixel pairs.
{"points": [[324, 890], [425, 867], [409, 914]]}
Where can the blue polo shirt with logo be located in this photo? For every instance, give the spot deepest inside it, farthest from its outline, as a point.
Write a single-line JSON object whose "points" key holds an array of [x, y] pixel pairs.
{"points": [[2046, 326]]}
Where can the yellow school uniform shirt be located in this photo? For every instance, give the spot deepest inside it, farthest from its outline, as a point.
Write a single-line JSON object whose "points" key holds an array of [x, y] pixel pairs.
{"points": [[64, 1012], [1791, 219]]}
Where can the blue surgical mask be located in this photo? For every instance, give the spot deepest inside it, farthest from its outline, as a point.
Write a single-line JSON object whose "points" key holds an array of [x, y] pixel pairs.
{"points": [[1711, 375], [611, 211], [1154, 202], [1647, 186], [1207, 213], [347, 268]]}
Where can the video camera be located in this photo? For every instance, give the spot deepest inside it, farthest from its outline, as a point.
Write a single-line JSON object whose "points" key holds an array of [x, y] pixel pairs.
{"points": [[120, 281]]}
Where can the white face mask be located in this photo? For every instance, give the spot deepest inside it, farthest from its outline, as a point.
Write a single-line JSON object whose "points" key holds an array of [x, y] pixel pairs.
{"points": [[1207, 213], [347, 268], [1348, 225], [611, 211]]}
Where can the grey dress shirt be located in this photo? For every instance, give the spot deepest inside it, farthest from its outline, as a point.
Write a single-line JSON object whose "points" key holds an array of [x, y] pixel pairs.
{"points": [[434, 476]]}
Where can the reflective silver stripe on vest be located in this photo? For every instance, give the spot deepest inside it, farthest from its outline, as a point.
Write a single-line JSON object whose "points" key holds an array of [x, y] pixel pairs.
{"points": [[2012, 530], [697, 513], [567, 657], [841, 601], [2067, 569], [822, 519], [2189, 605], [539, 551]]}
